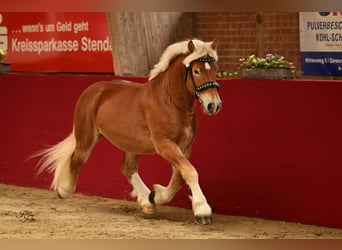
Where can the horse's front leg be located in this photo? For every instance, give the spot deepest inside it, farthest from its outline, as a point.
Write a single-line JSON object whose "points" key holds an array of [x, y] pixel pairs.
{"points": [[161, 194], [171, 152]]}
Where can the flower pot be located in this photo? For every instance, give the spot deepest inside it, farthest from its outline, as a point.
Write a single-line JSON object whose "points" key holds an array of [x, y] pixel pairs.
{"points": [[269, 73], [5, 67]]}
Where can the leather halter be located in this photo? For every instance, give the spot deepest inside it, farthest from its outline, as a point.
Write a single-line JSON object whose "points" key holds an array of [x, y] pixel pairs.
{"points": [[206, 85]]}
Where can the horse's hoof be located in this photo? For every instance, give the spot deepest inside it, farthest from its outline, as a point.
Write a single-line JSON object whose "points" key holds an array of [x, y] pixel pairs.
{"points": [[59, 196], [64, 193], [148, 209], [203, 220]]}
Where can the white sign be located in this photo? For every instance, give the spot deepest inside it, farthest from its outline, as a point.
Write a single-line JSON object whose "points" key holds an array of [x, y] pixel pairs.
{"points": [[321, 43]]}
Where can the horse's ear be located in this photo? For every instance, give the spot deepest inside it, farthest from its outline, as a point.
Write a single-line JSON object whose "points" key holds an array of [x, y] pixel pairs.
{"points": [[213, 44], [191, 46]]}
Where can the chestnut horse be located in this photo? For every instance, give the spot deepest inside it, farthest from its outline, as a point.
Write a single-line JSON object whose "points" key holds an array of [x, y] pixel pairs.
{"points": [[158, 117]]}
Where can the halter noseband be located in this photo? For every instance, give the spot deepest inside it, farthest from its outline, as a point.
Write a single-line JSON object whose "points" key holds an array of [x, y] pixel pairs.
{"points": [[206, 85]]}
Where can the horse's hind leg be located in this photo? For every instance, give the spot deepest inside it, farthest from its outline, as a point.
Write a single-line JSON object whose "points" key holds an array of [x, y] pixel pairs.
{"points": [[66, 184], [130, 169], [86, 137], [66, 158]]}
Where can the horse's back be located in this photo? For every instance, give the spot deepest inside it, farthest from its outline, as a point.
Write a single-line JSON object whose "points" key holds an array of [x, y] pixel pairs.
{"points": [[100, 92], [110, 86]]}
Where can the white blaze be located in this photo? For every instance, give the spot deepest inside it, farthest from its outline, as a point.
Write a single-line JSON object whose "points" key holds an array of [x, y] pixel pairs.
{"points": [[207, 66]]}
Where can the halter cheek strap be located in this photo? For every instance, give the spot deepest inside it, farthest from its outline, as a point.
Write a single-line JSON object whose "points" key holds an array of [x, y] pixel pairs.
{"points": [[204, 86]]}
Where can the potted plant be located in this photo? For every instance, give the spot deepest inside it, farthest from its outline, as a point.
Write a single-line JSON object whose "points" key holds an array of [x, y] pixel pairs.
{"points": [[271, 66], [5, 67]]}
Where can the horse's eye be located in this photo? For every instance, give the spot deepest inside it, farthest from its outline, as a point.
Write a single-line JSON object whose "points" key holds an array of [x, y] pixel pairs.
{"points": [[196, 71]]}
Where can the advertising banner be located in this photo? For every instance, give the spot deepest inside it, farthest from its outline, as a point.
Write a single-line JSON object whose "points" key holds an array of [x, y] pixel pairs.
{"points": [[321, 43], [56, 42]]}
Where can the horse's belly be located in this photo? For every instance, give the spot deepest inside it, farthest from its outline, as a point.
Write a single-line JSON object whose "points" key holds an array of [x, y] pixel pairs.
{"points": [[125, 128], [131, 143]]}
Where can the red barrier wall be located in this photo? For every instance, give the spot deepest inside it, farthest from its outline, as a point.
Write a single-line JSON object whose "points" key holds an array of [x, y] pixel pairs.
{"points": [[274, 151]]}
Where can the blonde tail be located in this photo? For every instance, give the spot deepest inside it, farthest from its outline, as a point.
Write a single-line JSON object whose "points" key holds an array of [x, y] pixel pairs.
{"points": [[56, 159]]}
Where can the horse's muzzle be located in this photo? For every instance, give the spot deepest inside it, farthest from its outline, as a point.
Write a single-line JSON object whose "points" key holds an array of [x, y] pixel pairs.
{"points": [[213, 108]]}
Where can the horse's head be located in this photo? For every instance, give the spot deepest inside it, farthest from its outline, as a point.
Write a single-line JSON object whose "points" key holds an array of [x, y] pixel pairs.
{"points": [[201, 69]]}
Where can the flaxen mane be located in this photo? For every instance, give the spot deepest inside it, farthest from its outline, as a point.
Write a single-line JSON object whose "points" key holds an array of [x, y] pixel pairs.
{"points": [[201, 49]]}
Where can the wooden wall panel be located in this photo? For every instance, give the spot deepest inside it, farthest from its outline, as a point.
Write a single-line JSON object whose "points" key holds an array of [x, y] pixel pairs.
{"points": [[139, 38]]}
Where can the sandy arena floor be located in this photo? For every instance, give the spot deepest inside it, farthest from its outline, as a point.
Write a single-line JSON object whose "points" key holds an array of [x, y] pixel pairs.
{"points": [[38, 214]]}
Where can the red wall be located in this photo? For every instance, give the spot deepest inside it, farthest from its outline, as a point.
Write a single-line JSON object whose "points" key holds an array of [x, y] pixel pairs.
{"points": [[274, 151]]}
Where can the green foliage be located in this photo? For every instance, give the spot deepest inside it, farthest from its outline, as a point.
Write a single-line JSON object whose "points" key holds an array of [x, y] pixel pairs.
{"points": [[2, 54], [270, 61], [252, 61]]}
